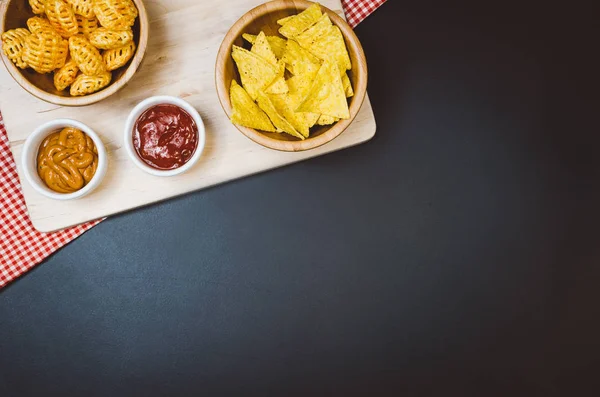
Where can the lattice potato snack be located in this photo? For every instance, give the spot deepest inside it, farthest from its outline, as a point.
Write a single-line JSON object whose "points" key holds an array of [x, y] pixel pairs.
{"points": [[45, 51], [86, 56], [85, 85], [114, 59], [81, 41], [61, 17], [66, 75], [13, 42], [107, 39], [115, 14]]}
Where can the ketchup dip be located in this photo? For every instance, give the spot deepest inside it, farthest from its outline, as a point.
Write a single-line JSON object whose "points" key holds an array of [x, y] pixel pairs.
{"points": [[165, 137]]}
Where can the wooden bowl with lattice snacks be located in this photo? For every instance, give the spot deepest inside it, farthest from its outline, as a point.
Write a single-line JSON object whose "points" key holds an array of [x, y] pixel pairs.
{"points": [[54, 45]]}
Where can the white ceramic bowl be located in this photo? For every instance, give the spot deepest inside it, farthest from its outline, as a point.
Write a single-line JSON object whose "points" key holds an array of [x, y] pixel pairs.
{"points": [[141, 108], [30, 152]]}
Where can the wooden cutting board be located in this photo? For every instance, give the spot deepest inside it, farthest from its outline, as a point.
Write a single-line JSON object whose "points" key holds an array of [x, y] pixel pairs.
{"points": [[180, 60]]}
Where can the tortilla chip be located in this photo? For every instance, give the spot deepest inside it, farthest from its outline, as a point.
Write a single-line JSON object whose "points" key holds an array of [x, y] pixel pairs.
{"points": [[301, 22], [277, 43], [279, 86], [299, 61], [255, 72], [327, 96], [325, 40], [347, 85], [299, 87], [262, 48], [285, 104], [283, 21], [281, 123], [245, 112], [327, 120]]}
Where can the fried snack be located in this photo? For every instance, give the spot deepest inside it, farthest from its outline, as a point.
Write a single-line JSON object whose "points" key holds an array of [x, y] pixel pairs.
{"points": [[114, 59], [294, 26], [45, 51], [327, 120], [327, 96], [278, 120], [255, 72], [107, 39], [38, 24], [278, 86], [86, 56], [38, 6], [13, 42], [347, 86], [262, 48], [85, 8], [67, 160], [115, 14], [325, 40], [86, 25], [61, 17], [283, 21], [85, 85], [66, 75], [245, 112], [277, 43]]}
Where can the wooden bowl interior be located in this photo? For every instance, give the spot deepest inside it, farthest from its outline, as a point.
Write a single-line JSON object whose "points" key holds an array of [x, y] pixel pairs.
{"points": [[17, 14], [266, 21]]}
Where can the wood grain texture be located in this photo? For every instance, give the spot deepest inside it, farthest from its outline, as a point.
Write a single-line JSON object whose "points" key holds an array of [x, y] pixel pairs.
{"points": [[264, 18], [14, 14], [180, 60]]}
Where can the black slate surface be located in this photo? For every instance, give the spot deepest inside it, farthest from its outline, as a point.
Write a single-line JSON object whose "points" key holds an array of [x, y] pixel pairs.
{"points": [[455, 254]]}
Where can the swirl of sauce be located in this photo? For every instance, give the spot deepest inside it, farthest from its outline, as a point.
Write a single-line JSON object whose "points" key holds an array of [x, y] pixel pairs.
{"points": [[67, 160]]}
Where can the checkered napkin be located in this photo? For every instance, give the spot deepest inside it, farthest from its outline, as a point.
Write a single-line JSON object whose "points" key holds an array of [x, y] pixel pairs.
{"points": [[21, 246]]}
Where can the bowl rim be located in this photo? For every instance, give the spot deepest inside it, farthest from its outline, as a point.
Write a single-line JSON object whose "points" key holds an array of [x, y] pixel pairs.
{"points": [[29, 159], [20, 79], [141, 108], [360, 90]]}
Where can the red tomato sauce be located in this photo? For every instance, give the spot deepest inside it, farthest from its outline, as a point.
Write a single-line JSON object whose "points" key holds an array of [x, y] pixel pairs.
{"points": [[165, 137]]}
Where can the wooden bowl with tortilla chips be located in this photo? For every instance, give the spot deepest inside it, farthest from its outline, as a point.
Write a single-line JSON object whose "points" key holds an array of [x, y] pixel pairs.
{"points": [[291, 75]]}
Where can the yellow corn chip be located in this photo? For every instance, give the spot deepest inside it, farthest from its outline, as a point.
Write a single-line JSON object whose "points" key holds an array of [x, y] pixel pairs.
{"points": [[299, 61], [347, 85], [301, 22], [277, 43], [325, 40], [327, 96], [245, 112], [327, 120], [278, 121], [255, 72], [283, 21], [285, 104], [263, 49], [279, 86], [298, 88]]}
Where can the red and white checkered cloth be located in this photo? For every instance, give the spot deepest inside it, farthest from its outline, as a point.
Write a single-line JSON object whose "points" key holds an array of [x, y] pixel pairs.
{"points": [[357, 10], [21, 246]]}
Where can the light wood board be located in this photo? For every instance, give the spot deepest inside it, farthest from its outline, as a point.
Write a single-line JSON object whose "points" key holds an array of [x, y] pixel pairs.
{"points": [[180, 60]]}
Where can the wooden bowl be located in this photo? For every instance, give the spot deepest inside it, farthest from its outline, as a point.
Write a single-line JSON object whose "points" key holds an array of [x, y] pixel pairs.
{"points": [[14, 14], [264, 17]]}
